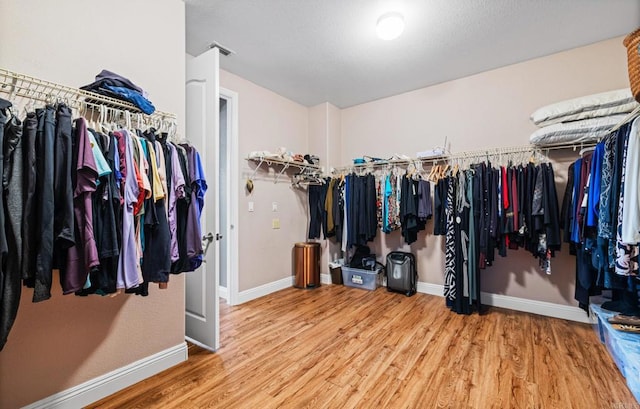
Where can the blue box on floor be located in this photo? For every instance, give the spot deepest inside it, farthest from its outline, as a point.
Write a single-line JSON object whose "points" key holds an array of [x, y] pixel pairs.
{"points": [[360, 278], [624, 347]]}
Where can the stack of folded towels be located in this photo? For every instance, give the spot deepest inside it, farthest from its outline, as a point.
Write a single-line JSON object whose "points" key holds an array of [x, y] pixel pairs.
{"points": [[584, 119]]}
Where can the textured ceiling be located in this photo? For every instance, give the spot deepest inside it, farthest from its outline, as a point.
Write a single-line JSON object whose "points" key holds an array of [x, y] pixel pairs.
{"points": [[313, 51]]}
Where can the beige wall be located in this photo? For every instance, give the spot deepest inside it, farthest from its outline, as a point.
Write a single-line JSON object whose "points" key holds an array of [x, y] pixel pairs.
{"points": [[490, 109], [318, 131], [267, 121], [325, 141], [67, 340], [334, 137]]}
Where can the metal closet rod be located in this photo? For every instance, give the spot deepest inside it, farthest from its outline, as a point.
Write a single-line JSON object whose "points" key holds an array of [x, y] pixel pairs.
{"points": [[481, 153], [25, 86]]}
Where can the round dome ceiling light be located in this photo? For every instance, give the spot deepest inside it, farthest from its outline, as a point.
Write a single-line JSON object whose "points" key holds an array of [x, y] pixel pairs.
{"points": [[390, 25]]}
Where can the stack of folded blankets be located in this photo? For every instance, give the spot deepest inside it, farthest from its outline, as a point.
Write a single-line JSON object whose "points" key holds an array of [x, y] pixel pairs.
{"points": [[584, 119], [116, 86]]}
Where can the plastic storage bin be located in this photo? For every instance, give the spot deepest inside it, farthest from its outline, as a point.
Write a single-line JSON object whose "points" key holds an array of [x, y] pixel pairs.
{"points": [[359, 278], [623, 347]]}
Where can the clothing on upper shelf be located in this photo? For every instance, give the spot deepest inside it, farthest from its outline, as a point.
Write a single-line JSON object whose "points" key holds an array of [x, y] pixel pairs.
{"points": [[116, 86], [112, 211]]}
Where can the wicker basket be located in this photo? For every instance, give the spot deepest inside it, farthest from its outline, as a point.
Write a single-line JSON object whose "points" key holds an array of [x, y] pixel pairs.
{"points": [[632, 42]]}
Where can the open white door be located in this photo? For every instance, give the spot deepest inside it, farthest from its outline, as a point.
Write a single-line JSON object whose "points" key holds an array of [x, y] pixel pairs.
{"points": [[202, 98]]}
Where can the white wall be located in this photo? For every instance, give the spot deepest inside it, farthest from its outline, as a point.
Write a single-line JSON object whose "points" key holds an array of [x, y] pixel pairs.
{"points": [[67, 340]]}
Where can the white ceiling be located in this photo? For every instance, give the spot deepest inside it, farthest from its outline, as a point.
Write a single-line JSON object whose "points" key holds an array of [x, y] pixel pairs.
{"points": [[314, 51]]}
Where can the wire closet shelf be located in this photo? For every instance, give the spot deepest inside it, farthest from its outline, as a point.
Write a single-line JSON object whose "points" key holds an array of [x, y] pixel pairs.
{"points": [[24, 86], [538, 152]]}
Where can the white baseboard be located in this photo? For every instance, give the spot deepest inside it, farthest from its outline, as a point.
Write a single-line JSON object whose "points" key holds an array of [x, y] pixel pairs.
{"points": [[265, 289], [431, 289], [223, 292], [548, 309], [114, 381], [565, 312]]}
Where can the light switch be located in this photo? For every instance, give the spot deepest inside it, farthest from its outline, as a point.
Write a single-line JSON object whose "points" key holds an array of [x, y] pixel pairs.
{"points": [[250, 206], [274, 206], [275, 223]]}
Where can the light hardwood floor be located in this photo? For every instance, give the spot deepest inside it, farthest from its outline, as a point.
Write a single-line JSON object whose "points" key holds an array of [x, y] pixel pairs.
{"points": [[340, 347]]}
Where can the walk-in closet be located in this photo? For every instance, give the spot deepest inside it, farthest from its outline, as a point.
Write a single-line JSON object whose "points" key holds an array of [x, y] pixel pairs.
{"points": [[335, 204]]}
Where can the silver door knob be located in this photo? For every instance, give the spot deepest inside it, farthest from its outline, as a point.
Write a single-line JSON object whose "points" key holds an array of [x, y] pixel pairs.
{"points": [[206, 240]]}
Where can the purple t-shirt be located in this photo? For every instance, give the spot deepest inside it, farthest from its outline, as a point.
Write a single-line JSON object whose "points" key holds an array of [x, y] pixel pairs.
{"points": [[198, 189], [128, 263], [177, 192], [82, 256]]}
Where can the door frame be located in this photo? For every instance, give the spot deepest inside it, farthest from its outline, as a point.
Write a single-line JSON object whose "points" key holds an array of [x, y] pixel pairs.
{"points": [[231, 230]]}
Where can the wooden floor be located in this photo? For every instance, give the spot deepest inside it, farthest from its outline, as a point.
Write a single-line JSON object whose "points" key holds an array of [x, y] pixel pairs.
{"points": [[340, 347]]}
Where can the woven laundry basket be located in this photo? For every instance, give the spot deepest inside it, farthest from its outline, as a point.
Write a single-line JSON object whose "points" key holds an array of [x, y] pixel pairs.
{"points": [[632, 42]]}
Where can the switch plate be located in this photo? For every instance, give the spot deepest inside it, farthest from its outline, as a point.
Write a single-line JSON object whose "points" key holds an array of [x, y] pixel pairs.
{"points": [[274, 206], [275, 223], [250, 206]]}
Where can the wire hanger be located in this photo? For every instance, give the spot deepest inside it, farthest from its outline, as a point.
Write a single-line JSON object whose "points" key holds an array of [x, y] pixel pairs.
{"points": [[587, 149], [632, 115]]}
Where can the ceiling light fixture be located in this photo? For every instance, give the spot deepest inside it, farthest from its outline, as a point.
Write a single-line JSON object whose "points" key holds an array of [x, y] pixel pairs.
{"points": [[390, 25]]}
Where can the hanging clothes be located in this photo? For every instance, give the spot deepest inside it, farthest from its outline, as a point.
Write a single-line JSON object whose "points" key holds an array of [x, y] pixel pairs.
{"points": [[391, 203], [176, 192], [328, 208], [463, 279], [410, 219], [45, 145], [425, 206], [10, 272], [196, 204], [156, 260], [83, 255], [318, 223], [487, 209], [600, 229], [128, 266], [450, 271], [107, 221], [74, 199], [29, 224], [354, 209], [64, 217], [337, 209], [439, 203]]}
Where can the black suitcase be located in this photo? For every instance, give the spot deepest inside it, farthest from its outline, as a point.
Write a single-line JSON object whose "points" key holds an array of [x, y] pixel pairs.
{"points": [[402, 276]]}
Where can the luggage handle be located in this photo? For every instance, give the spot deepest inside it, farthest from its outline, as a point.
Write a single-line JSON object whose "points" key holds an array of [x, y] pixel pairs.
{"points": [[412, 260]]}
